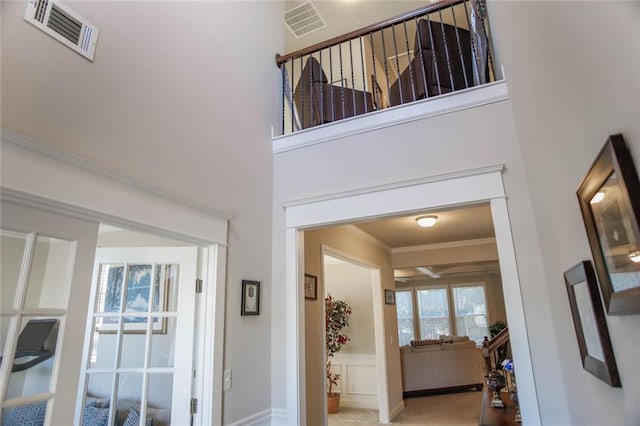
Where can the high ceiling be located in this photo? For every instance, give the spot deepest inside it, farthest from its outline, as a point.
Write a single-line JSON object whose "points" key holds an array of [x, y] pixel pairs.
{"points": [[344, 16]]}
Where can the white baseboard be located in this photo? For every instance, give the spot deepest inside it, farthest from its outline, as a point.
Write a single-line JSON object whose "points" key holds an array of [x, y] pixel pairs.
{"points": [[279, 417], [351, 400], [396, 410]]}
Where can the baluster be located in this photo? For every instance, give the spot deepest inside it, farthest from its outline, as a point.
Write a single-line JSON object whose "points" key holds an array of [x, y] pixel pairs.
{"points": [[409, 67], [333, 98], [375, 77], [341, 81], [384, 52], [364, 81], [446, 50], [321, 107], [462, 61], [353, 85], [395, 48], [433, 54], [423, 67]]}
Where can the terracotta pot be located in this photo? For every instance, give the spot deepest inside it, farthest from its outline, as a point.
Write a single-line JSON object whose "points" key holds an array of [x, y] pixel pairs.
{"points": [[333, 403]]}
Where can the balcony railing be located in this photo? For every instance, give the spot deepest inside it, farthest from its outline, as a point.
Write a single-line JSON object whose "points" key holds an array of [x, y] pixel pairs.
{"points": [[437, 49]]}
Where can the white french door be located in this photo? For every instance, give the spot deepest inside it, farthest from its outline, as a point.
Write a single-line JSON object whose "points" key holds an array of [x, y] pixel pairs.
{"points": [[139, 348], [45, 265]]}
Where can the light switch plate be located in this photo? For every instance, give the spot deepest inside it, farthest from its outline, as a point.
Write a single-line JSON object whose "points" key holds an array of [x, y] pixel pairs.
{"points": [[226, 380]]}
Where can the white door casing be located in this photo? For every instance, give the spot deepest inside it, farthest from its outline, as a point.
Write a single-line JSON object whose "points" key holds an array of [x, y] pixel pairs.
{"points": [[174, 339], [466, 187], [72, 272]]}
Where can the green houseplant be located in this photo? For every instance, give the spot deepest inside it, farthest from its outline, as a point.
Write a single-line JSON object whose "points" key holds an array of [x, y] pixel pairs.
{"points": [[337, 314]]}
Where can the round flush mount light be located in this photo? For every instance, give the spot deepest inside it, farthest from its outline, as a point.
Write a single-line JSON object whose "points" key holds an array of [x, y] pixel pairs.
{"points": [[427, 221]]}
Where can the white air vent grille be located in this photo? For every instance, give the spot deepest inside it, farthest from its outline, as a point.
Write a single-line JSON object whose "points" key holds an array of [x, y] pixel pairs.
{"points": [[303, 19], [64, 25]]}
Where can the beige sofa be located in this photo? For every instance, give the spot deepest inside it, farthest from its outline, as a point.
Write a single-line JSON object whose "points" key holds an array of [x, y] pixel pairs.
{"points": [[441, 366]]}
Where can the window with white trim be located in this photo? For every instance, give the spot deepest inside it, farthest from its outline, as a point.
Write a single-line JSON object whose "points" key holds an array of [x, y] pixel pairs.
{"points": [[441, 310]]}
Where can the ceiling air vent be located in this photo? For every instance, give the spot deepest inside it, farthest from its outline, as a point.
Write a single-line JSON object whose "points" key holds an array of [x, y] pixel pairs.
{"points": [[64, 25], [303, 19]]}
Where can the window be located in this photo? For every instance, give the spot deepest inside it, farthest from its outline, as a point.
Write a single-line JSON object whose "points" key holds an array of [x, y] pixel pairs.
{"points": [[404, 309], [441, 310], [433, 309], [471, 311]]}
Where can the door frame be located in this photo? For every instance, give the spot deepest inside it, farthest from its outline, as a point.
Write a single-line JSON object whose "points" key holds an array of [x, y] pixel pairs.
{"points": [[461, 188], [75, 186], [378, 325]]}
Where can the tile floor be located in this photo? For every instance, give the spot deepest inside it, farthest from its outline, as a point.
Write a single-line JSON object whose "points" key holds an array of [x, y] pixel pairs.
{"points": [[453, 409]]}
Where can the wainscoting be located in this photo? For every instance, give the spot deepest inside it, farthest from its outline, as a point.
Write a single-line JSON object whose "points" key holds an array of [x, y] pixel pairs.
{"points": [[358, 384]]}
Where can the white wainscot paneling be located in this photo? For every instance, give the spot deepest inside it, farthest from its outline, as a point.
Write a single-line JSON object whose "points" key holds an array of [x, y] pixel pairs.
{"points": [[358, 385]]}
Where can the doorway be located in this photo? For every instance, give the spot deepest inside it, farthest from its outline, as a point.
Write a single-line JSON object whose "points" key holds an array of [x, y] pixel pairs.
{"points": [[362, 365], [463, 188]]}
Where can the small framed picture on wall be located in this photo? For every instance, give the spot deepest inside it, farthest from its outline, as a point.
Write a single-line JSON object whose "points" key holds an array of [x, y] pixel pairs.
{"points": [[250, 298], [310, 287], [389, 297]]}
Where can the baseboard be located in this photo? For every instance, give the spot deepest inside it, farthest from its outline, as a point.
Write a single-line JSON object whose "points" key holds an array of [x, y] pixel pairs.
{"points": [[263, 417], [396, 410], [279, 417], [369, 402]]}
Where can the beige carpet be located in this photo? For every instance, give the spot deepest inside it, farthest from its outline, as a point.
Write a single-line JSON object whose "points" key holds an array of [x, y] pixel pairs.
{"points": [[454, 409]]}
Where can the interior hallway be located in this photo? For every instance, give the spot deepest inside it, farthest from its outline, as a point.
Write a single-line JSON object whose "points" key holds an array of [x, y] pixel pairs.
{"points": [[453, 409]]}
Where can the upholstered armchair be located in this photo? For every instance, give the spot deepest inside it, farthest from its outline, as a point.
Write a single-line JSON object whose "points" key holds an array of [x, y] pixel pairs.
{"points": [[442, 63], [318, 102]]}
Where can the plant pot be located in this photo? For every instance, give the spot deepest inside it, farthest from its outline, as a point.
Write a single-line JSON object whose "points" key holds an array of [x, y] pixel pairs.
{"points": [[333, 403]]}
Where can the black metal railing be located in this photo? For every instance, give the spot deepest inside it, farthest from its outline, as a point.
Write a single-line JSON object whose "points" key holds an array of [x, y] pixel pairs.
{"points": [[437, 49]]}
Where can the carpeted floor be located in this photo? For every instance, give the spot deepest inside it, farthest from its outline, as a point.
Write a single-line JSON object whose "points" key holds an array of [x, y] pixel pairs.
{"points": [[453, 409]]}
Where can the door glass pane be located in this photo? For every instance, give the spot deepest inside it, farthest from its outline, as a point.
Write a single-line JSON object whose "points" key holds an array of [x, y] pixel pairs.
{"points": [[110, 288], [471, 312], [11, 254], [166, 286], [103, 342], [50, 274], [34, 357], [433, 310], [4, 330], [129, 394], [162, 347], [404, 310], [138, 289], [32, 413], [97, 399], [133, 343], [160, 395]]}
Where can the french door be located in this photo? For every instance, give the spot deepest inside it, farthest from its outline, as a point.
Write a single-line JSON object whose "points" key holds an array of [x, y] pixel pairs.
{"points": [[45, 265], [138, 355]]}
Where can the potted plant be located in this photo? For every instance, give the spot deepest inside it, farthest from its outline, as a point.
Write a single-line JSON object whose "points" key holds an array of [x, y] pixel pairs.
{"points": [[337, 314]]}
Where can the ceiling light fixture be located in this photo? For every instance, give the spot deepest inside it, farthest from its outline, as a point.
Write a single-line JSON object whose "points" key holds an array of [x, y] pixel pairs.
{"points": [[427, 221]]}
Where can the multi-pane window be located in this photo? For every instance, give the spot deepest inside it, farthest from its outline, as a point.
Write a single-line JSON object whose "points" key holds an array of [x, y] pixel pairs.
{"points": [[404, 309], [459, 309], [433, 311], [471, 311]]}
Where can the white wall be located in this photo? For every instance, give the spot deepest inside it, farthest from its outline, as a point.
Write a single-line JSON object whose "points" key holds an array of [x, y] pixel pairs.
{"points": [[462, 140], [573, 71], [349, 243], [352, 283], [181, 95]]}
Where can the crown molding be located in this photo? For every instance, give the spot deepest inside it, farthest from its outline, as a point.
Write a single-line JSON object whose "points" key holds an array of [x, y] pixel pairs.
{"points": [[447, 245], [368, 237], [9, 136]]}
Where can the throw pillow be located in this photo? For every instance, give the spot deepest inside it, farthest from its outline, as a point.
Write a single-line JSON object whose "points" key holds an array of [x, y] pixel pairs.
{"points": [[133, 419], [95, 416], [30, 414]]}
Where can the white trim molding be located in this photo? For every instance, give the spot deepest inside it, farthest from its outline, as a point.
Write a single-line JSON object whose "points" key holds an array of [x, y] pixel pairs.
{"points": [[263, 417], [440, 246], [35, 172], [455, 189], [464, 99]]}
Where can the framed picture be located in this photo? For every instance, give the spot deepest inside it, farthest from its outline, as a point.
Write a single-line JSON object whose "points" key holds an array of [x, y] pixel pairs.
{"points": [[590, 324], [310, 287], [137, 293], [250, 298], [389, 297], [609, 199]]}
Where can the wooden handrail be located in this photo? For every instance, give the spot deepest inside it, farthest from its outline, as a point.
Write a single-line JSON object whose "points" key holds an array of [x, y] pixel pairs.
{"points": [[280, 59], [499, 339]]}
